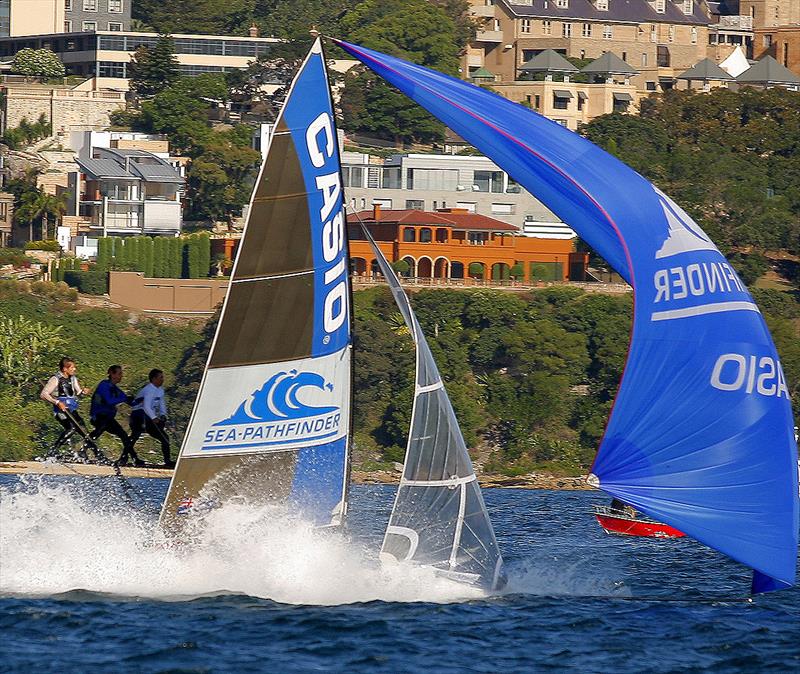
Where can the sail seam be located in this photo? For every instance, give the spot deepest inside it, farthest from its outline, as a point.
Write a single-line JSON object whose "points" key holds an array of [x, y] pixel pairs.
{"points": [[715, 308], [430, 387]]}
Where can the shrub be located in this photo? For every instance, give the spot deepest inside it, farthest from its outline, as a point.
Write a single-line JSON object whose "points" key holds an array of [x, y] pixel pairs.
{"points": [[93, 282], [50, 245], [401, 267]]}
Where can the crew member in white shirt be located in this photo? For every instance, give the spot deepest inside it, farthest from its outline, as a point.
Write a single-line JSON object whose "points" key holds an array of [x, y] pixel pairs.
{"points": [[150, 415]]}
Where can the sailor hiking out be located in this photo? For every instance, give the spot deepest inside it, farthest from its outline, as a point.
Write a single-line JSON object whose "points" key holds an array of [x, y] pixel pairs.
{"points": [[63, 391], [106, 397], [150, 415]]}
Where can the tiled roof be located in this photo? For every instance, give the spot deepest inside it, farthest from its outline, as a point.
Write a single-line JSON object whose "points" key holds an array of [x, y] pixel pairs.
{"points": [[609, 64], [463, 221], [626, 11], [768, 71], [548, 61], [705, 70]]}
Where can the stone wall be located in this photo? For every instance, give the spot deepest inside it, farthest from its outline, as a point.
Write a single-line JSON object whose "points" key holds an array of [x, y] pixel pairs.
{"points": [[63, 108]]}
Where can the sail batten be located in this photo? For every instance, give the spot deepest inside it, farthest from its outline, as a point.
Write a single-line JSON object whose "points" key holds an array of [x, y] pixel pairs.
{"points": [[271, 423], [700, 350]]}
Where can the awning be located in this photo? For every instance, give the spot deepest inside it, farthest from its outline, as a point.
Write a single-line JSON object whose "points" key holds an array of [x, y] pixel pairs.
{"points": [[583, 95], [562, 93], [622, 97]]}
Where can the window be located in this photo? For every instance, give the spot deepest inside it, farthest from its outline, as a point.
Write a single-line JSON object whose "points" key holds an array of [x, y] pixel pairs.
{"points": [[513, 186], [111, 69], [68, 26], [409, 234], [115, 6], [694, 34], [547, 27], [661, 6], [89, 26], [115, 26], [586, 30], [353, 176], [488, 181], [644, 60], [478, 238], [688, 6], [425, 235], [431, 179], [650, 86], [563, 4], [768, 40], [466, 205], [68, 5], [383, 203], [653, 34], [89, 5], [608, 32], [566, 29], [502, 209], [560, 102], [672, 33], [391, 178], [602, 5], [415, 205], [525, 26]]}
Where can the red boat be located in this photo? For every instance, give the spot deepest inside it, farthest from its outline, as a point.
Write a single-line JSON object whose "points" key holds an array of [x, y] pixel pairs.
{"points": [[623, 523]]}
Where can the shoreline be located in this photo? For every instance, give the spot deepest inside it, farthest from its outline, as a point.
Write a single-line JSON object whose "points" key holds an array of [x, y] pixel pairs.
{"points": [[532, 481]]}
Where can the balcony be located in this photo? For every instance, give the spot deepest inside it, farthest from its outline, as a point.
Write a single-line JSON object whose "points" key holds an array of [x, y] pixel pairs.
{"points": [[493, 36], [162, 216], [484, 11]]}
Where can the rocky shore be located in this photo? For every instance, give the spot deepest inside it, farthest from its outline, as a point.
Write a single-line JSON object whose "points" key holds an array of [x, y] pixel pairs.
{"points": [[531, 481]]}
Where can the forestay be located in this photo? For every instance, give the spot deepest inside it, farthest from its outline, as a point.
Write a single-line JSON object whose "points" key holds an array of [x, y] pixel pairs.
{"points": [[439, 518], [272, 418], [700, 436]]}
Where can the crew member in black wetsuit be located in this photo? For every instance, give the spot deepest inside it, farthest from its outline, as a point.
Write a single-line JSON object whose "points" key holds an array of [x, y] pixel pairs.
{"points": [[107, 395], [62, 391]]}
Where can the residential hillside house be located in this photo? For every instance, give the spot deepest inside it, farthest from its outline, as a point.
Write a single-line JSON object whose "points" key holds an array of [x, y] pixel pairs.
{"points": [[453, 244], [105, 54], [431, 182], [6, 218], [658, 38], [119, 192], [729, 29], [32, 17]]}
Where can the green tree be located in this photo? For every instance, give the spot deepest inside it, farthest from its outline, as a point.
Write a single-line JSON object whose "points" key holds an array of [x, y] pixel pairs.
{"points": [[104, 253], [159, 257], [416, 30], [148, 263], [175, 259], [41, 63], [204, 253], [27, 349], [153, 69]]}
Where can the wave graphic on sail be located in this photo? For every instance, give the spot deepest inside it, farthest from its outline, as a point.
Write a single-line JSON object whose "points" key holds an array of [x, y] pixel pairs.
{"points": [[278, 399], [701, 433]]}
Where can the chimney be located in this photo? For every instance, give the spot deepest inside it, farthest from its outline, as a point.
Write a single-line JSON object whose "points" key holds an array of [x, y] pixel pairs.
{"points": [[376, 212], [253, 31]]}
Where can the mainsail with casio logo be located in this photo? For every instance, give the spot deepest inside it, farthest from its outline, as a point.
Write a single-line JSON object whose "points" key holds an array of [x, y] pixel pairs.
{"points": [[701, 434], [271, 422]]}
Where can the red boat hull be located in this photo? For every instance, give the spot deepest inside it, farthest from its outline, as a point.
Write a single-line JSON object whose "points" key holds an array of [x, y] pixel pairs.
{"points": [[633, 527]]}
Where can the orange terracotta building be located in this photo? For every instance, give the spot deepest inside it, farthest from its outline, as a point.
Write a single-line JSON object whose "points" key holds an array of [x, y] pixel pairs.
{"points": [[457, 244]]}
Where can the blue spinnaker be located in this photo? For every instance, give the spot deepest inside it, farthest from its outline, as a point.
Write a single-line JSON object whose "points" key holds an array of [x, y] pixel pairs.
{"points": [[700, 436]]}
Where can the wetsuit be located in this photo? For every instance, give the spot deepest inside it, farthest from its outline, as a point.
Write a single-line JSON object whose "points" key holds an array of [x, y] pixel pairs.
{"points": [[103, 414], [65, 389], [149, 415]]}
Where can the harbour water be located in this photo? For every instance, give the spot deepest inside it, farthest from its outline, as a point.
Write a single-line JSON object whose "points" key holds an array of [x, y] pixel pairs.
{"points": [[86, 586]]}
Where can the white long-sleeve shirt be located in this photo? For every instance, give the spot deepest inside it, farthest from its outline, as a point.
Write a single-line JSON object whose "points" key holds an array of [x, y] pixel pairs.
{"points": [[50, 390], [153, 402]]}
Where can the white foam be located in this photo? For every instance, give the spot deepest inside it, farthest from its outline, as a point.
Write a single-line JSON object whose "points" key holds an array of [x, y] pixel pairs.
{"points": [[54, 540]]}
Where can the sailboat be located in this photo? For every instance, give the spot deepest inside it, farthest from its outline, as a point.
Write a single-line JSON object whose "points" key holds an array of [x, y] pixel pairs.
{"points": [[700, 435], [271, 423], [439, 518]]}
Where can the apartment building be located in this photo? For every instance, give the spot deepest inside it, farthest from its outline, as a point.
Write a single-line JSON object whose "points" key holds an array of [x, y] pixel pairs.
{"points": [[432, 182], [89, 15], [33, 17], [659, 38], [105, 54], [122, 191]]}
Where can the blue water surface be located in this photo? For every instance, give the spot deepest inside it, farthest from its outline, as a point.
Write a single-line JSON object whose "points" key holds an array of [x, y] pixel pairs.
{"points": [[577, 599]]}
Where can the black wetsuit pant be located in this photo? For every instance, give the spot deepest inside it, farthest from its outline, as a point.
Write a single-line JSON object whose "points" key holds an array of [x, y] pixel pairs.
{"points": [[103, 424], [68, 423], [141, 423]]}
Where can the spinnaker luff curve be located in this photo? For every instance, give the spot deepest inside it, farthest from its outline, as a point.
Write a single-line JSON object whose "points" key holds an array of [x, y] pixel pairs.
{"points": [[700, 436]]}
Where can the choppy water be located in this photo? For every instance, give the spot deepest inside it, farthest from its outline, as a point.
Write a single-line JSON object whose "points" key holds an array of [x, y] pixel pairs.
{"points": [[85, 587]]}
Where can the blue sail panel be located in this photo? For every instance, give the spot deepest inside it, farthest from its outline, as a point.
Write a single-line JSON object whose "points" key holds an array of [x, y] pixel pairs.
{"points": [[700, 436]]}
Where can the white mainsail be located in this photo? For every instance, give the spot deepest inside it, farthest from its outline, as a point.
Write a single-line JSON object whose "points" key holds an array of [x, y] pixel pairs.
{"points": [[439, 518]]}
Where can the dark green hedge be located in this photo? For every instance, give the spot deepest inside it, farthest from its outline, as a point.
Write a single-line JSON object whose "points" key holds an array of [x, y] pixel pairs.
{"points": [[89, 282]]}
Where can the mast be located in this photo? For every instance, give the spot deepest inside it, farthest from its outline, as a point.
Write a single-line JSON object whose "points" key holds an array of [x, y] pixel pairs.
{"points": [[271, 422]]}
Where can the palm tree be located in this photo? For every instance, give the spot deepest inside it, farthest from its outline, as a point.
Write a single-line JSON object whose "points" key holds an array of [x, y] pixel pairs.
{"points": [[36, 205]]}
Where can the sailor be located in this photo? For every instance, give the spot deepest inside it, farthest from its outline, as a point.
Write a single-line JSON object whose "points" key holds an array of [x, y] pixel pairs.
{"points": [[621, 508], [62, 391], [150, 414], [107, 395]]}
